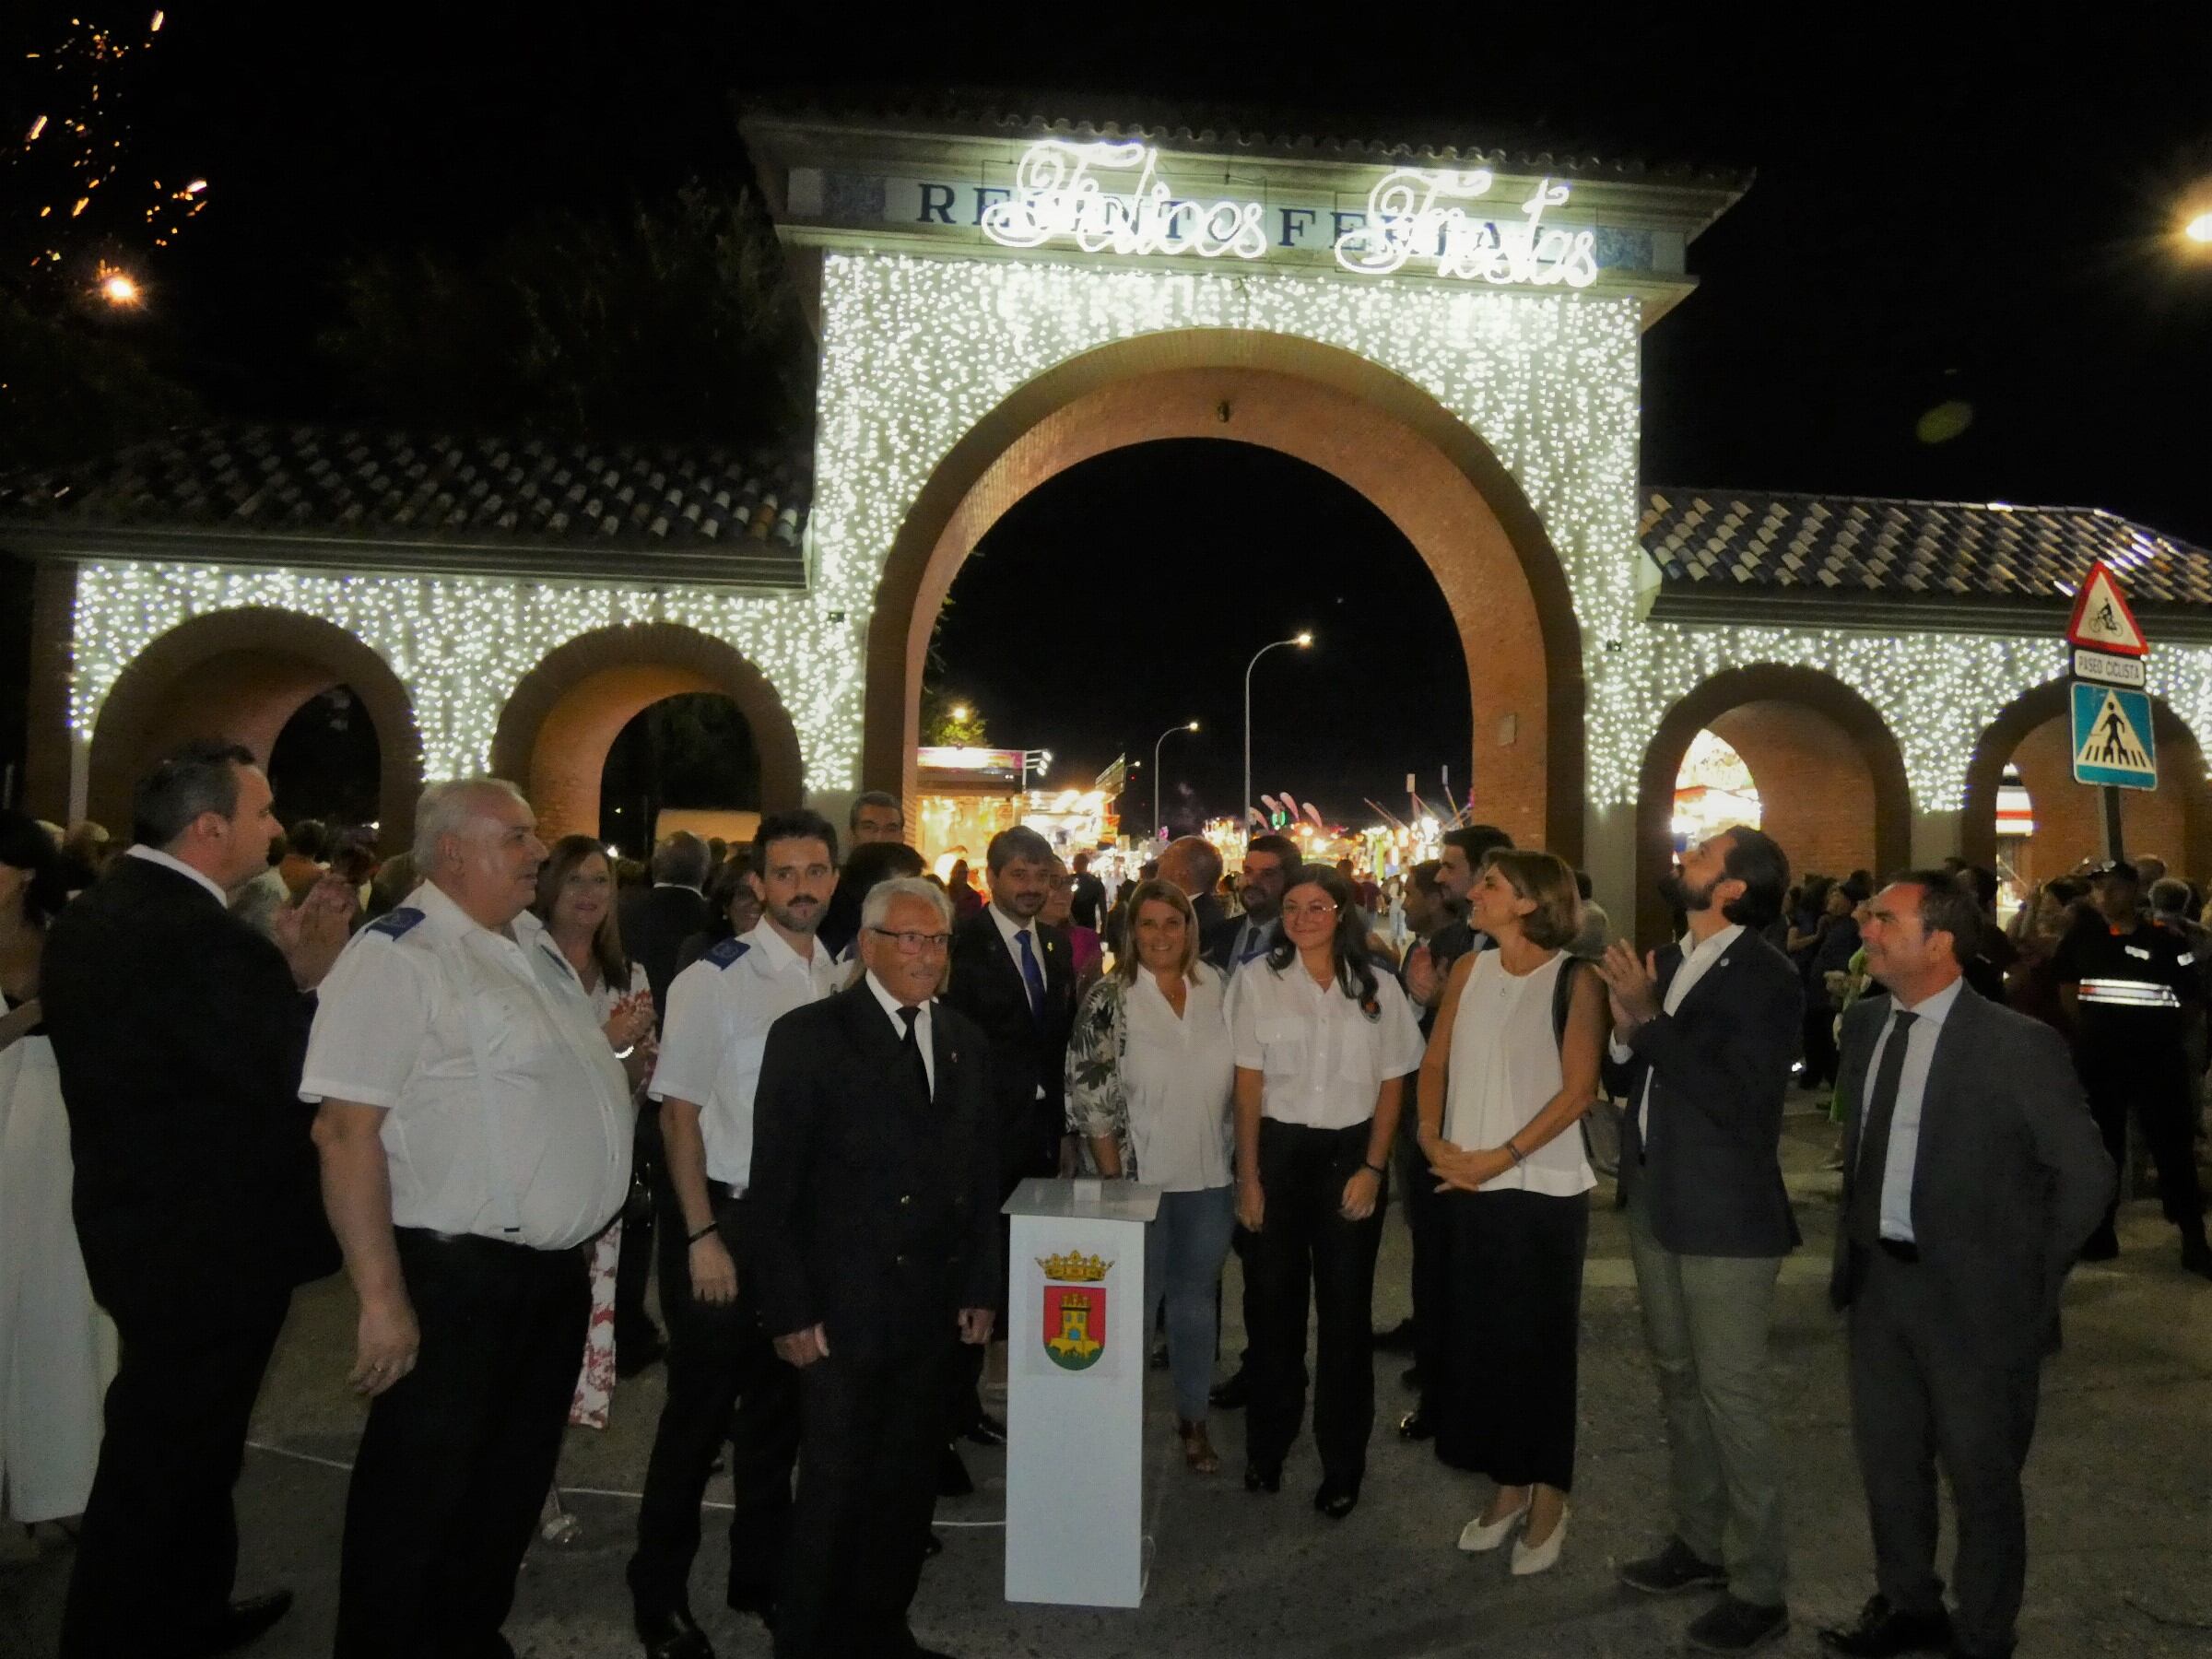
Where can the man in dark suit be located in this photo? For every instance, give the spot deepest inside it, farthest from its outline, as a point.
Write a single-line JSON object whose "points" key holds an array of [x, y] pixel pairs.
{"points": [[1229, 943], [1194, 863], [1014, 976], [1703, 1035], [872, 1223], [179, 1033], [1088, 908], [656, 921], [1973, 1174]]}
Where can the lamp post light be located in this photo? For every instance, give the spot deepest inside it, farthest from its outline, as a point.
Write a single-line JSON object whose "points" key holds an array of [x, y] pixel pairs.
{"points": [[1190, 725], [1301, 640]]}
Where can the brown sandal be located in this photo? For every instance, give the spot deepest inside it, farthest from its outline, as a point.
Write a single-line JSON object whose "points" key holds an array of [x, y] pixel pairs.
{"points": [[1197, 1451]]}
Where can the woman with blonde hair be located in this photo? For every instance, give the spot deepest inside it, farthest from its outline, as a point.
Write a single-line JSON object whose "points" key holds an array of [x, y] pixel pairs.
{"points": [[1150, 1079], [1512, 1066]]}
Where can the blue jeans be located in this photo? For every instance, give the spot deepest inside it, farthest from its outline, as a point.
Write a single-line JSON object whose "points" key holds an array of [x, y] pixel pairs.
{"points": [[1184, 1247]]}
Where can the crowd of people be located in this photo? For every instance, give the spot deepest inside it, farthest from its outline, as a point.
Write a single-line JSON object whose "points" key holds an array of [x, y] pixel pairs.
{"points": [[513, 1087]]}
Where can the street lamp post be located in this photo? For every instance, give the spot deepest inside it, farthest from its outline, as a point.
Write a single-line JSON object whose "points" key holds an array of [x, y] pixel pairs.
{"points": [[1301, 642], [1190, 725]]}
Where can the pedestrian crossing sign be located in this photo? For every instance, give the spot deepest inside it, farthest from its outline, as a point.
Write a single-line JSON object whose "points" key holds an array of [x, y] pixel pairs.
{"points": [[2112, 740]]}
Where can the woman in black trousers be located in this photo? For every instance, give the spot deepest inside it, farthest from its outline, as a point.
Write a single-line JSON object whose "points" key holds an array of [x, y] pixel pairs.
{"points": [[1324, 1044], [1512, 1066]]}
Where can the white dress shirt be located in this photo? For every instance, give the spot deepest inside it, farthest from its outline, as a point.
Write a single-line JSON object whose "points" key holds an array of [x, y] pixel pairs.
{"points": [[506, 1114], [924, 1029], [719, 1011], [1322, 1059], [169, 860], [1180, 1075], [1696, 960], [1911, 1087]]}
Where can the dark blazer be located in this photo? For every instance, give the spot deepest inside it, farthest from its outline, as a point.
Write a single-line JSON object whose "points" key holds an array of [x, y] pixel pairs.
{"points": [[1025, 1051], [2010, 1179], [180, 1035], [869, 1213], [1217, 941], [1719, 1064], [656, 921]]}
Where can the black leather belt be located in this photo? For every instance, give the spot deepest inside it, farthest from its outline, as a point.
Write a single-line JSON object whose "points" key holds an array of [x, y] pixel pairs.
{"points": [[1901, 1250]]}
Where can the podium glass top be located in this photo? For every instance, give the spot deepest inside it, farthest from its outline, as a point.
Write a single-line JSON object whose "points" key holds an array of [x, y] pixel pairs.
{"points": [[1084, 1200]]}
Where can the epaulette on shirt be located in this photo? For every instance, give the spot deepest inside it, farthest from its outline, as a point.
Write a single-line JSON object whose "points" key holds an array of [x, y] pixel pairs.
{"points": [[728, 951], [393, 924]]}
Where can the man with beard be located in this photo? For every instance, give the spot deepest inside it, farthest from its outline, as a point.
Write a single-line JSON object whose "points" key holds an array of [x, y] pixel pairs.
{"points": [[1014, 976], [720, 1010], [1702, 1038], [1229, 944]]}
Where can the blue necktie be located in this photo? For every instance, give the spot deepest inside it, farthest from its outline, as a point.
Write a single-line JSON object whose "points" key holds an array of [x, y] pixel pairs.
{"points": [[1033, 975], [1255, 941]]}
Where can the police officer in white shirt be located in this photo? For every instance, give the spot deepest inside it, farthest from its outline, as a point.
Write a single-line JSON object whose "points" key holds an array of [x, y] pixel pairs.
{"points": [[1323, 1042], [719, 1012], [475, 1133]]}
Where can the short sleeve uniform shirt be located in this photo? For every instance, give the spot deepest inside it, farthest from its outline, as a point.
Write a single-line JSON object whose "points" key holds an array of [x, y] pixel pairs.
{"points": [[1323, 1056]]}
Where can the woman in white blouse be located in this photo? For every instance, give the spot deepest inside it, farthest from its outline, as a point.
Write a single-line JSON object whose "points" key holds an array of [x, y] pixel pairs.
{"points": [[576, 901], [1149, 1081], [1513, 1065], [1324, 1043]]}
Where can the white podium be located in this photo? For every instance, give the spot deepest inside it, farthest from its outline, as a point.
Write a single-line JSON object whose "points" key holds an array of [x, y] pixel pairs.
{"points": [[1076, 1356]]}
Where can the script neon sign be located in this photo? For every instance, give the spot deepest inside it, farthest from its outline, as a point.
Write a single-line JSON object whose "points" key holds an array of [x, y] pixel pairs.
{"points": [[1411, 215]]}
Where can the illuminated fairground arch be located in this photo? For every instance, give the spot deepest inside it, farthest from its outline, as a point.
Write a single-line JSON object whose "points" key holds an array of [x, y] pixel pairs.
{"points": [[240, 673], [2033, 734], [555, 732], [1436, 480], [1829, 774]]}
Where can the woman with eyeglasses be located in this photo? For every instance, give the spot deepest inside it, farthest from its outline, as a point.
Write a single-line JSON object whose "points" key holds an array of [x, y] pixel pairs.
{"points": [[1149, 1080], [1324, 1043]]}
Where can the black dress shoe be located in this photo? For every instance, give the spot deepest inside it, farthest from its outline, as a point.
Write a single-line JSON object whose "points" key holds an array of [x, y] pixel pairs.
{"points": [[1335, 1499], [673, 1634], [2196, 1256], [932, 1547], [1884, 1630], [987, 1430], [1416, 1426], [240, 1623], [1257, 1479], [1398, 1340], [1232, 1394], [760, 1600], [952, 1476], [1736, 1626], [1411, 1378], [2102, 1246], [1671, 1571]]}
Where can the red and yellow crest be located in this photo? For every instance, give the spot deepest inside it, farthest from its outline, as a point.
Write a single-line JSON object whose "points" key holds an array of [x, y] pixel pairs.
{"points": [[1075, 1310]]}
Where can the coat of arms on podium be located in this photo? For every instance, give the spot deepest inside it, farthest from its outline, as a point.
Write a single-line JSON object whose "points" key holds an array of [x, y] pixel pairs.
{"points": [[1075, 1308]]}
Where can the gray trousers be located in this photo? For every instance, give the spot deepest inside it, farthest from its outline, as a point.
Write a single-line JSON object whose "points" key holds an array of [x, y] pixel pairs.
{"points": [[1705, 1321], [1920, 1395]]}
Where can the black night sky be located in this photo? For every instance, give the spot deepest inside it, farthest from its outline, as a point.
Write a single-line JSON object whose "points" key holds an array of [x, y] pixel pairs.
{"points": [[1941, 215]]}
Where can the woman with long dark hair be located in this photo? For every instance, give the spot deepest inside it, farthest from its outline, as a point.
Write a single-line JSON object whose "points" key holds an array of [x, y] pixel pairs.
{"points": [[576, 902], [58, 1351], [1322, 1043]]}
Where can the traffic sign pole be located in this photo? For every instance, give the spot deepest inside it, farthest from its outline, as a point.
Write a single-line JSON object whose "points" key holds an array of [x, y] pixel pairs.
{"points": [[2113, 849]]}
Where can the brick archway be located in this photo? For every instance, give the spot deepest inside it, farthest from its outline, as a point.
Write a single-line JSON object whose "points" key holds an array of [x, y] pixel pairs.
{"points": [[1435, 481], [1830, 776], [555, 732], [2033, 732], [242, 674]]}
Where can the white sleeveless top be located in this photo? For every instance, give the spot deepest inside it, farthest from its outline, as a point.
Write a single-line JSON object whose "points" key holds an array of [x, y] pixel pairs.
{"points": [[1505, 1067]]}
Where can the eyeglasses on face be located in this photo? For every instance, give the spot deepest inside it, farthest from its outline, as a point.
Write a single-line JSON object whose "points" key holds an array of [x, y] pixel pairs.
{"points": [[916, 943], [1320, 911]]}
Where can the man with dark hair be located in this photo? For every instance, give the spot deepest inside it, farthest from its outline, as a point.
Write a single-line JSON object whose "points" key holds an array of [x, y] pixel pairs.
{"points": [[179, 1030], [1014, 976], [1971, 1175], [2132, 989], [1270, 861], [1702, 1040], [720, 1355], [1465, 850], [877, 818]]}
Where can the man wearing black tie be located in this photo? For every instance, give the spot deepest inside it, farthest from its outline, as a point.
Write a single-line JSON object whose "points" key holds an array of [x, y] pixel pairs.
{"points": [[179, 1033], [1972, 1174], [872, 1230], [1014, 977]]}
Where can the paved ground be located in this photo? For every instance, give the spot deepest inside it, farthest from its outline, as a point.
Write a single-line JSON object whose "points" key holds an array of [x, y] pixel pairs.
{"points": [[2120, 1502]]}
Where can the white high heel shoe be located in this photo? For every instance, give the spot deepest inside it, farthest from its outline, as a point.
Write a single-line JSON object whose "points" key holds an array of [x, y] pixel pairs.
{"points": [[1543, 1557], [1479, 1535]]}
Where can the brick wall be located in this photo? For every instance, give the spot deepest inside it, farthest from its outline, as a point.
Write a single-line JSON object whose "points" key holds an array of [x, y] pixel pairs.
{"points": [[1816, 791], [2069, 825]]}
